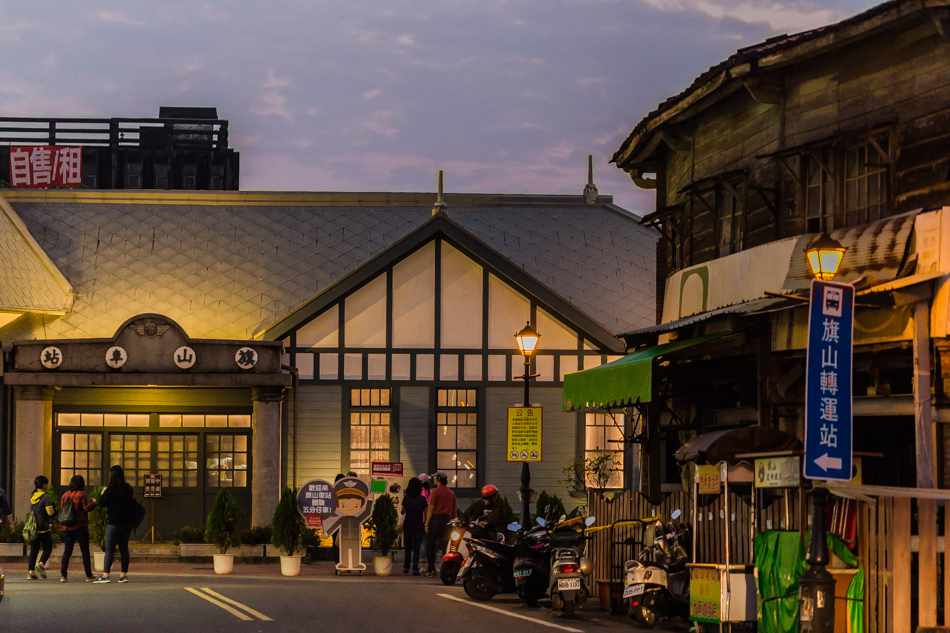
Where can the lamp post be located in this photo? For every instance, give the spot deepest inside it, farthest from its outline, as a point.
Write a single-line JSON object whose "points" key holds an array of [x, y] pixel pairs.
{"points": [[824, 257], [527, 342]]}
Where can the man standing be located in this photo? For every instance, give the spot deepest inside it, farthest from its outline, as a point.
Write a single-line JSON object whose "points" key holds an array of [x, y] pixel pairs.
{"points": [[440, 511]]}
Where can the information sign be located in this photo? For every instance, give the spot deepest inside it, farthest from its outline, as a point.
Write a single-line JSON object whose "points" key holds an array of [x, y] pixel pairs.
{"points": [[778, 472], [708, 479], [153, 486], [387, 469], [828, 423], [315, 502], [705, 588], [524, 434]]}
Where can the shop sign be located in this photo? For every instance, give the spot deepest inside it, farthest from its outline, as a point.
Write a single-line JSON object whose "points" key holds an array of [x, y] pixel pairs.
{"points": [[387, 469], [708, 479], [705, 588], [524, 434], [153, 486], [777, 472], [315, 502], [45, 166]]}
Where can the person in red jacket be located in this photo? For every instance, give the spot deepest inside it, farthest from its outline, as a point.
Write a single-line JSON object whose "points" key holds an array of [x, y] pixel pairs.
{"points": [[78, 530]]}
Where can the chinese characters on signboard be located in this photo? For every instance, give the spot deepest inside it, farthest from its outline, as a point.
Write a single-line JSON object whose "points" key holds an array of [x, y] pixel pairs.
{"points": [[524, 434], [828, 394], [153, 486], [705, 587], [386, 469], [44, 166], [315, 502]]}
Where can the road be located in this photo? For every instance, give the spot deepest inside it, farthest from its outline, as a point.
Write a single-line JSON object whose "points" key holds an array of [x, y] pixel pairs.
{"points": [[189, 603]]}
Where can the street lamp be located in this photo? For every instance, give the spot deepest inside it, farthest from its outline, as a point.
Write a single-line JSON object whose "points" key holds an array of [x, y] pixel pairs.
{"points": [[527, 342], [824, 257]]}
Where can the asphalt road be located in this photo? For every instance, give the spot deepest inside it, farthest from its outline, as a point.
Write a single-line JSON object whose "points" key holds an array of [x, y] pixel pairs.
{"points": [[186, 603]]}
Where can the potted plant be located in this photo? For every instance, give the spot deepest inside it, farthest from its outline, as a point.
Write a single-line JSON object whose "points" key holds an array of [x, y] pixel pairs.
{"points": [[98, 520], [385, 533], [222, 529], [287, 529]]}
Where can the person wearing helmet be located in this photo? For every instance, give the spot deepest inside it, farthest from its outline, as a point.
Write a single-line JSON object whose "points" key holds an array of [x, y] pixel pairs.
{"points": [[487, 512]]}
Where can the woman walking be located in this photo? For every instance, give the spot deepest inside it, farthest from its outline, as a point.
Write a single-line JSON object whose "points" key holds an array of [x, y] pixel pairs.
{"points": [[77, 531], [413, 527], [42, 508], [118, 498]]}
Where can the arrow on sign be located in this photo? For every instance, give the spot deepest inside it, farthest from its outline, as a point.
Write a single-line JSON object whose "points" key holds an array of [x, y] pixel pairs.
{"points": [[828, 463]]}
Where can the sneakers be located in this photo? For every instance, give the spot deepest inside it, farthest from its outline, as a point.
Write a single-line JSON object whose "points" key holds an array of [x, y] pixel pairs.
{"points": [[430, 573], [123, 579], [90, 578], [62, 579], [415, 573], [31, 577], [101, 579], [41, 570]]}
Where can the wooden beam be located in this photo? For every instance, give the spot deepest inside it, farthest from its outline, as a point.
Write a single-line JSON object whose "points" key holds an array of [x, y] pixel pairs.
{"points": [[763, 92], [927, 562], [899, 574]]}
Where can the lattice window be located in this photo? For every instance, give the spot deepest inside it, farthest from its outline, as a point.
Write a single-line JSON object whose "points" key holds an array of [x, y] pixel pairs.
{"points": [[133, 453], [457, 436], [177, 460], [370, 417], [226, 461], [81, 454], [604, 436]]}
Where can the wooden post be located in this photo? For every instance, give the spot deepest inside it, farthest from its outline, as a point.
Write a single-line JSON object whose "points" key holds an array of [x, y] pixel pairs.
{"points": [[927, 562], [900, 571]]}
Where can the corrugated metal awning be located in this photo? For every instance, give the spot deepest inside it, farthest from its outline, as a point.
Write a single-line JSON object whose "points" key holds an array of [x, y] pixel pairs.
{"points": [[769, 304]]}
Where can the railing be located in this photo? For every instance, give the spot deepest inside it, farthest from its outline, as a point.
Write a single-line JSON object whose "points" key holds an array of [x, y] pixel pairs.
{"points": [[116, 132]]}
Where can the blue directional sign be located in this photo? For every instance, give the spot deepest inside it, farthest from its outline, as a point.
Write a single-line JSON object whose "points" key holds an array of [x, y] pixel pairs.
{"points": [[828, 424]]}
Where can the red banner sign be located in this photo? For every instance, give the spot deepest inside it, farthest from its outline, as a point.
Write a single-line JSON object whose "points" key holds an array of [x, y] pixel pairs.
{"points": [[387, 469], [44, 166]]}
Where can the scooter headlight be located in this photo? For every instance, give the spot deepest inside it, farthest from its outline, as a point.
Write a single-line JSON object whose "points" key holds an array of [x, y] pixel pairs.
{"points": [[455, 536], [587, 567]]}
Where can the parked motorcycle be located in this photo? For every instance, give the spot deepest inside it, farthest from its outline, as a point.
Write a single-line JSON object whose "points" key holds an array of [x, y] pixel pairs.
{"points": [[532, 566], [457, 550], [569, 566], [657, 584], [488, 570]]}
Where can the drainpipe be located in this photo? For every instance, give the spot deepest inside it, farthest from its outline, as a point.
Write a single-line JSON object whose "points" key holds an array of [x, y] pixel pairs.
{"points": [[293, 423]]}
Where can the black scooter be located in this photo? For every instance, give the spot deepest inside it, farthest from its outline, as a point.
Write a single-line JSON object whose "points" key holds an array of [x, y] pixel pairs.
{"points": [[532, 566], [488, 569]]}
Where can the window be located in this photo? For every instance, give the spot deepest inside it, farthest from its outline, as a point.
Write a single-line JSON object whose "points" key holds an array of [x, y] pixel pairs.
{"points": [[604, 437], [369, 428], [819, 192], [865, 180], [728, 219], [457, 435], [102, 419], [81, 454], [133, 453], [177, 457], [226, 461], [200, 420]]}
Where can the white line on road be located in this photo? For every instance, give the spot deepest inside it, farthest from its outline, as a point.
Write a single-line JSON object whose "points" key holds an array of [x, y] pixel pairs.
{"points": [[514, 615], [256, 614], [219, 604]]}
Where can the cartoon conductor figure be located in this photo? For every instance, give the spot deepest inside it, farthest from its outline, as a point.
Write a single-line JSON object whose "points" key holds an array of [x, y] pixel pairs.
{"points": [[353, 506]]}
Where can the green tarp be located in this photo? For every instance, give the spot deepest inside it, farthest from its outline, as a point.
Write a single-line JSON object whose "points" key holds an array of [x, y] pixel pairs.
{"points": [[628, 379]]}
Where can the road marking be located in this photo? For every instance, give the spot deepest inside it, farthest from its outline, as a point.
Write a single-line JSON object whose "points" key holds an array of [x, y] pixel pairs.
{"points": [[226, 607], [509, 613], [256, 614]]}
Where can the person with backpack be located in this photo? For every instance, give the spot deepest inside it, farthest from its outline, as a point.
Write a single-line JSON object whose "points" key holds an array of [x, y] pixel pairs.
{"points": [[74, 508], [119, 499], [41, 511]]}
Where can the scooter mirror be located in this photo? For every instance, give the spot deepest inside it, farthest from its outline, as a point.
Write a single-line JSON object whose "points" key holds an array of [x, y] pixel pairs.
{"points": [[589, 521], [514, 527], [676, 514], [542, 522]]}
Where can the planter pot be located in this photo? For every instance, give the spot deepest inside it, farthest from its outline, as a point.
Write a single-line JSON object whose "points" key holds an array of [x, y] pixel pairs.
{"points": [[198, 549], [382, 565], [99, 560], [223, 563], [290, 565]]}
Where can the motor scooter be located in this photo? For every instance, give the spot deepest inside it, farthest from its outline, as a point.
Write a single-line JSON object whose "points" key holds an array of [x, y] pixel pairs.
{"points": [[569, 567], [532, 566], [488, 570], [457, 550], [657, 585]]}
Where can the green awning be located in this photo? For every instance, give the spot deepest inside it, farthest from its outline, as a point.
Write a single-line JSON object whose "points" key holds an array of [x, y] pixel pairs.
{"points": [[625, 380]]}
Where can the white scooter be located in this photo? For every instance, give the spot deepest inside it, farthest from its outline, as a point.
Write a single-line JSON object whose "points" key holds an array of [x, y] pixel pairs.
{"points": [[657, 585]]}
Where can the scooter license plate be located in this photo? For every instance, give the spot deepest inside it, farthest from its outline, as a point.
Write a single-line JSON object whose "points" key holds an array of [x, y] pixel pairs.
{"points": [[522, 573], [632, 590], [566, 584]]}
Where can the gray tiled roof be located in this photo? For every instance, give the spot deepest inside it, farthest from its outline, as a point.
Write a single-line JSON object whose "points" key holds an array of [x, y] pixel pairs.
{"points": [[224, 265], [29, 281]]}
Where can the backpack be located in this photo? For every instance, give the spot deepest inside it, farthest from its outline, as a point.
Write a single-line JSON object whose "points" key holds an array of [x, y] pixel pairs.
{"points": [[67, 511], [138, 513], [29, 526]]}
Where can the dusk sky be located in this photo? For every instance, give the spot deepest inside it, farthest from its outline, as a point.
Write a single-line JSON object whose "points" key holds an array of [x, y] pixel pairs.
{"points": [[365, 95]]}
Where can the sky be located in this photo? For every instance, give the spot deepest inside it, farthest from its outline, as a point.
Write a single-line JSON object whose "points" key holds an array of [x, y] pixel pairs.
{"points": [[506, 96]]}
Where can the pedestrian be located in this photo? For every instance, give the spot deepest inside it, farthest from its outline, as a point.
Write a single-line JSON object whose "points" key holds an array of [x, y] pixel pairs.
{"points": [[441, 510], [413, 526], [42, 508], [120, 501], [5, 509], [426, 491], [78, 530]]}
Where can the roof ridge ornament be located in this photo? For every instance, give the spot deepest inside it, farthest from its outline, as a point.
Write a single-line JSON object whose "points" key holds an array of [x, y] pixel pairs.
{"points": [[590, 189], [439, 206]]}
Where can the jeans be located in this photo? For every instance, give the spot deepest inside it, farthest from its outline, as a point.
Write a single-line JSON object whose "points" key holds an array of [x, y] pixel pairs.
{"points": [[44, 539], [117, 535], [413, 539], [435, 538], [71, 537]]}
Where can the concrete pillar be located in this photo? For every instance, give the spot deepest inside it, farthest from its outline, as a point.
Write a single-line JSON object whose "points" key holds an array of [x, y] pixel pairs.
{"points": [[265, 480], [33, 452]]}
